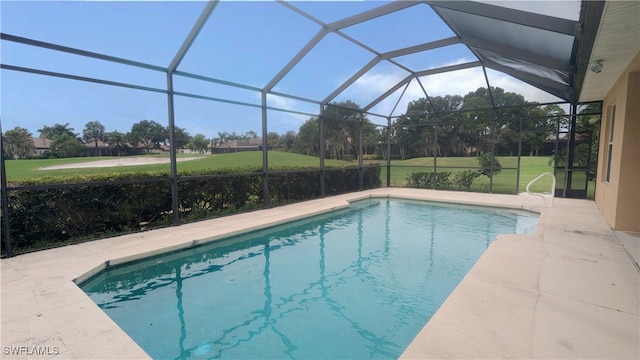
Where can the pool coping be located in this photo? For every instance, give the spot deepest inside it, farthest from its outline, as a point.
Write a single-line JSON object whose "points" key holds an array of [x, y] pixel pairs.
{"points": [[509, 305]]}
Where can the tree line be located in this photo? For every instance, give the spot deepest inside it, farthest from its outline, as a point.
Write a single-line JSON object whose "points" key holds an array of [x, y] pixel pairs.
{"points": [[449, 125], [65, 142], [481, 121]]}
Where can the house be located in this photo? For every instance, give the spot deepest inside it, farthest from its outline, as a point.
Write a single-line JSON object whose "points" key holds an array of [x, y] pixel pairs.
{"points": [[42, 145], [231, 146], [102, 149], [614, 78]]}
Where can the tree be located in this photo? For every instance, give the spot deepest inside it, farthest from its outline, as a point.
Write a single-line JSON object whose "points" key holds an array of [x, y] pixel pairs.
{"points": [[273, 140], [94, 132], [288, 140], [18, 143], [489, 165], [65, 146], [116, 140], [148, 134], [198, 143], [413, 131], [56, 130], [341, 132], [371, 135], [182, 137], [308, 135], [541, 122], [342, 129]]}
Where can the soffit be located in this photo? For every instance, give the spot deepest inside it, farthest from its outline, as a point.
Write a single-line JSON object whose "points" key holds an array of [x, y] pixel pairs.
{"points": [[616, 43]]}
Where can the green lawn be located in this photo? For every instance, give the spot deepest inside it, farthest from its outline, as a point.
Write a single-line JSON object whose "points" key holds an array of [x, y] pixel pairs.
{"points": [[504, 182], [26, 169]]}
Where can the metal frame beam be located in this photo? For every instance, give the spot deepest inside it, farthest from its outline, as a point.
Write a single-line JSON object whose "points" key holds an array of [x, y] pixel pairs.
{"points": [[352, 79], [265, 152], [182, 51], [4, 199], [334, 27], [300, 12], [428, 98], [420, 74], [445, 69], [371, 14], [399, 98], [299, 98], [421, 47], [193, 34], [210, 98], [296, 59], [387, 56], [70, 50], [590, 20], [388, 92], [215, 81], [80, 78]]}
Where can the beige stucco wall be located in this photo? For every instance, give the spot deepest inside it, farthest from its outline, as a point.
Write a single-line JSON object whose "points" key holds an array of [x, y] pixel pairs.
{"points": [[619, 199]]}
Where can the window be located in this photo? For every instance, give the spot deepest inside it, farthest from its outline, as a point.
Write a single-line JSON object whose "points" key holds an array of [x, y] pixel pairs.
{"points": [[612, 121]]}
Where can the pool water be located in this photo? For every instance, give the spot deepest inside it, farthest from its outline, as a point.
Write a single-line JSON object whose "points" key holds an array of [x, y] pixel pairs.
{"points": [[356, 283]]}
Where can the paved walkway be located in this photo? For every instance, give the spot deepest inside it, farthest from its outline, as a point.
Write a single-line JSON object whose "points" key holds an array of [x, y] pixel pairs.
{"points": [[568, 291]]}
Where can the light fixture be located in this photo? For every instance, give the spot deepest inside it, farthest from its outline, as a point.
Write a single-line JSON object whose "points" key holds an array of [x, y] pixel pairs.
{"points": [[597, 66]]}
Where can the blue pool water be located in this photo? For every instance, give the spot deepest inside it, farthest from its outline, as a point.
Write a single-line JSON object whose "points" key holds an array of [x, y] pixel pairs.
{"points": [[357, 283]]}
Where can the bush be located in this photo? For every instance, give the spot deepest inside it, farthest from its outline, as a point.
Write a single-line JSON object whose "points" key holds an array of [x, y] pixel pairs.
{"points": [[464, 179], [47, 212], [425, 180], [486, 160]]}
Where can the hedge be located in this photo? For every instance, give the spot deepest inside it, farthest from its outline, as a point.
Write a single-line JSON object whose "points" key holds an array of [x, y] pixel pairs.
{"points": [[48, 212]]}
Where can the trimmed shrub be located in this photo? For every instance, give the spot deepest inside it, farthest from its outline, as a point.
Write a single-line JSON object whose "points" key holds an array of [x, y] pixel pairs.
{"points": [[464, 179], [48, 212], [425, 180], [486, 161]]}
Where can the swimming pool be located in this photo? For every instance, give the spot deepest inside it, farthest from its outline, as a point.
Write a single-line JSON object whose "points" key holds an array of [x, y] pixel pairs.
{"points": [[356, 283]]}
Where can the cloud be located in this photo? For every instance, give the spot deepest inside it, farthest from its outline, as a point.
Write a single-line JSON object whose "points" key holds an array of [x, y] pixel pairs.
{"points": [[280, 121], [379, 80], [373, 84]]}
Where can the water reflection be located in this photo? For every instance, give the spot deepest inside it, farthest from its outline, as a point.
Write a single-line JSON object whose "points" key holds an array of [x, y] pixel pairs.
{"points": [[357, 284]]}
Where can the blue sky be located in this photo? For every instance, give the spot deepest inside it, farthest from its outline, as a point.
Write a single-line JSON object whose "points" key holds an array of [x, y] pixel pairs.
{"points": [[243, 42]]}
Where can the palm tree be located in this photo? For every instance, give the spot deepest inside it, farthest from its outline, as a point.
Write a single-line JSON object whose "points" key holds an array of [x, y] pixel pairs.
{"points": [[116, 141], [94, 132], [51, 132]]}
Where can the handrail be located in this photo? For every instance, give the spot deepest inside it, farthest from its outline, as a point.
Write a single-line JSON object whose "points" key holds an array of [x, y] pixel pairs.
{"points": [[544, 195]]}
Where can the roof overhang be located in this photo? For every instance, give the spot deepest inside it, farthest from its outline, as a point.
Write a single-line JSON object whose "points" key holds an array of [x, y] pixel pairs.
{"points": [[617, 41]]}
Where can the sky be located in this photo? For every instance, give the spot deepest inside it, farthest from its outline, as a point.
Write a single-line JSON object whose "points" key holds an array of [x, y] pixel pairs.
{"points": [[242, 42]]}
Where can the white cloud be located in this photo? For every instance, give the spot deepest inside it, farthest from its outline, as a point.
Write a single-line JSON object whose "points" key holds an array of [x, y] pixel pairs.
{"points": [[460, 82], [280, 121]]}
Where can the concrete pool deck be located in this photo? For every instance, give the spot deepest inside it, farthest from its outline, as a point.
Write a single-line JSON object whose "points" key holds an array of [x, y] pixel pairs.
{"points": [[570, 290]]}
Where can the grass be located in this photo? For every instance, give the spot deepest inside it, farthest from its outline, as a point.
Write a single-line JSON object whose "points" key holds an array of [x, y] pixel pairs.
{"points": [[26, 169], [505, 182]]}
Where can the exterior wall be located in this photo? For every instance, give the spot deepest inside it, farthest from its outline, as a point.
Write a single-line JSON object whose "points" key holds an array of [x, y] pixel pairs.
{"points": [[619, 199]]}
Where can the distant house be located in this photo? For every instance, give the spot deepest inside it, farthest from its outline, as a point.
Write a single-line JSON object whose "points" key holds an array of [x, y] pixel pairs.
{"points": [[161, 149], [41, 144], [188, 151], [231, 146], [101, 150]]}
